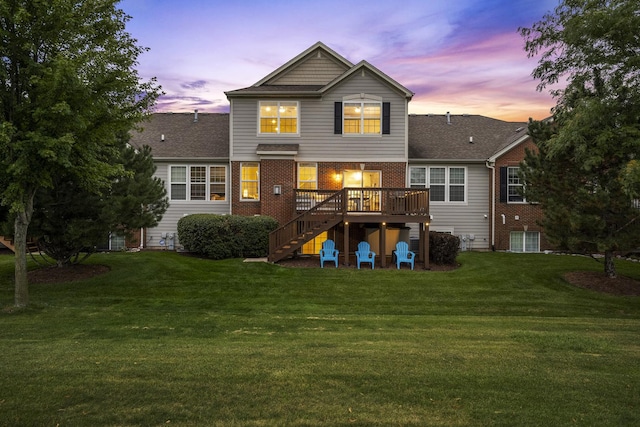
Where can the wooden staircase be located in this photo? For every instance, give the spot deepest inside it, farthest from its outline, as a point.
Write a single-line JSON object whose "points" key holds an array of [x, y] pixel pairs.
{"points": [[290, 237], [321, 210]]}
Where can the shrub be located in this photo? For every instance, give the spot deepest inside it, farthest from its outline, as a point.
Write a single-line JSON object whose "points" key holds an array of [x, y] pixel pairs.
{"points": [[226, 236], [443, 247]]}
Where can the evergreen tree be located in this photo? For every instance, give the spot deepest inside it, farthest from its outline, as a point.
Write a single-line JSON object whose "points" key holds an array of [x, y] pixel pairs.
{"points": [[585, 172], [69, 221]]}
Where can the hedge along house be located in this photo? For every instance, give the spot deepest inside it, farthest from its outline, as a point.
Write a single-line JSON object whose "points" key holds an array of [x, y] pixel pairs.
{"points": [[328, 149]]}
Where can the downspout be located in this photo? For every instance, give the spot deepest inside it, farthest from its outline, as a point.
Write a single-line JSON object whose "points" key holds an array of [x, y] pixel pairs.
{"points": [[491, 165], [141, 237], [231, 156]]}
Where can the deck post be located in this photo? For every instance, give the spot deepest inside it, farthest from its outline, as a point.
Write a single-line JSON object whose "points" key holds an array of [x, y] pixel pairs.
{"points": [[425, 245], [383, 245], [346, 244]]}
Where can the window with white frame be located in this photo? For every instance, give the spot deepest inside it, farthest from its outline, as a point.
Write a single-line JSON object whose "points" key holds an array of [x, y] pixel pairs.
{"points": [[362, 117], [524, 241], [418, 177], [445, 183], [514, 186], [250, 181], [308, 176], [278, 117], [457, 184], [200, 182], [437, 184], [218, 183]]}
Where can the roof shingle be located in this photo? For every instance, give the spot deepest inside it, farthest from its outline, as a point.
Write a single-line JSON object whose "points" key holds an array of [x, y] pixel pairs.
{"points": [[432, 137], [184, 137]]}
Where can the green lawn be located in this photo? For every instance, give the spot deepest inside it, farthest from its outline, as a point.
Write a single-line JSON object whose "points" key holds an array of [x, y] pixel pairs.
{"points": [[164, 339]]}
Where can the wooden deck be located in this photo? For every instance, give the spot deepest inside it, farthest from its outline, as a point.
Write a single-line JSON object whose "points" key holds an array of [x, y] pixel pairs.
{"points": [[317, 211]]}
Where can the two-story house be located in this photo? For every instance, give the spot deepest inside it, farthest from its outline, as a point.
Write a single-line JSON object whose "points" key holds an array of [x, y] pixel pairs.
{"points": [[328, 148], [315, 126]]}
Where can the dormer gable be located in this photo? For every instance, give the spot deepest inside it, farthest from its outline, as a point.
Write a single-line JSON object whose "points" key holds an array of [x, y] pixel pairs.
{"points": [[364, 67]]}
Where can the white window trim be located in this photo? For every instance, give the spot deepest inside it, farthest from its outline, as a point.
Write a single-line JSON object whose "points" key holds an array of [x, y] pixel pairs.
{"points": [[242, 199], [361, 98], [519, 202], [280, 134], [447, 184], [207, 184], [524, 242], [298, 174]]}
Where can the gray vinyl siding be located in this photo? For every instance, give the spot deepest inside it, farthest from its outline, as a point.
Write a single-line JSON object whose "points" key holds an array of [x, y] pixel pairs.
{"points": [[179, 209], [316, 139], [465, 219], [314, 71]]}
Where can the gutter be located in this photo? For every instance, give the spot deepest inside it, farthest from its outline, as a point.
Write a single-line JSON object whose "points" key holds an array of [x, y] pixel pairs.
{"points": [[423, 161]]}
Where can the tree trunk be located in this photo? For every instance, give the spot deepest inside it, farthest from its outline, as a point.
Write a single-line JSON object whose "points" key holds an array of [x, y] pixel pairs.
{"points": [[609, 266], [21, 226]]}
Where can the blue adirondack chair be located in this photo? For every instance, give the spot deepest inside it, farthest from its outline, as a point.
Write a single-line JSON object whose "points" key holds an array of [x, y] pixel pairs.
{"points": [[364, 254], [328, 252], [403, 254]]}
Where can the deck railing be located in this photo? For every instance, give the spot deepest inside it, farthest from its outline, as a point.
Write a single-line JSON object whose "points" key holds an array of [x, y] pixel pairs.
{"points": [[387, 201], [319, 210]]}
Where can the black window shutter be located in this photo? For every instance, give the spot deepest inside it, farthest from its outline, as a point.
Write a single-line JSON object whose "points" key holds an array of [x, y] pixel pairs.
{"points": [[503, 184], [386, 118], [337, 118]]}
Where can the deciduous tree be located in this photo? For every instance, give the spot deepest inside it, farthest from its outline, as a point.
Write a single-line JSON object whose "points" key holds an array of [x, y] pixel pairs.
{"points": [[68, 88]]}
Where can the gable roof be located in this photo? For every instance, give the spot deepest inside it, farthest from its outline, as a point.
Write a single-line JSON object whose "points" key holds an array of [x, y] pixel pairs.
{"points": [[470, 138], [184, 137], [335, 69], [364, 65], [317, 49]]}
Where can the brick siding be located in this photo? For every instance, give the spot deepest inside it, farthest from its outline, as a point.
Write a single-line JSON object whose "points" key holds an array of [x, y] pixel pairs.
{"points": [[283, 172], [528, 215]]}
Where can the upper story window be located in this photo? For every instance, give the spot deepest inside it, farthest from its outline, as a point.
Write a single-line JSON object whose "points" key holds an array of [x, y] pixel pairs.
{"points": [[362, 114], [250, 181], [362, 117], [279, 117], [511, 186], [514, 186], [308, 176], [200, 182], [446, 184]]}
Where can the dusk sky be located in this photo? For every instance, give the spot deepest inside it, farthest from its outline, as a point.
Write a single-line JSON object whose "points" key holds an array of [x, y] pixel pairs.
{"points": [[458, 56]]}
